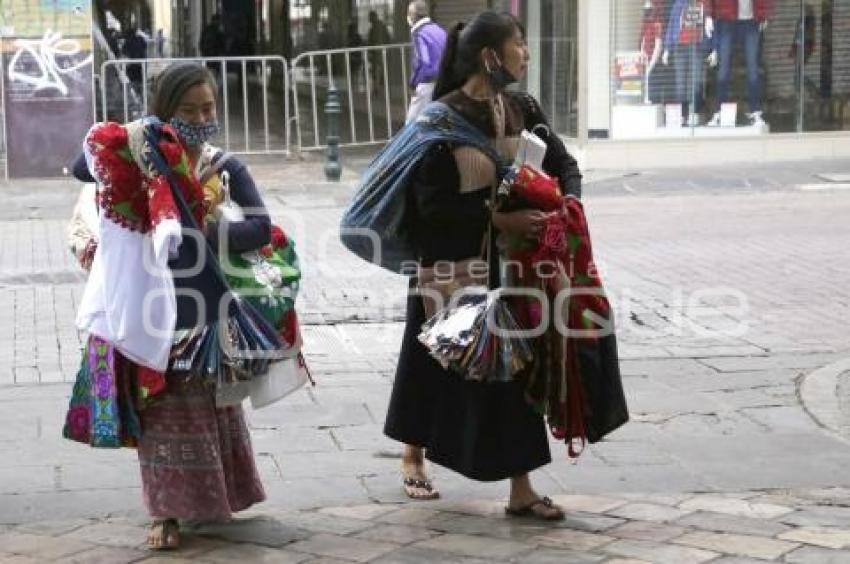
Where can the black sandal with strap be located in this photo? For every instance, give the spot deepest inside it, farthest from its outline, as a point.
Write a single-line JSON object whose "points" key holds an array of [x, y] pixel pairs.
{"points": [[543, 508]]}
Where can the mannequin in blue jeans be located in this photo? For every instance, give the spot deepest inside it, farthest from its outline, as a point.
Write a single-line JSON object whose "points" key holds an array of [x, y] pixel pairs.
{"points": [[728, 35], [684, 40]]}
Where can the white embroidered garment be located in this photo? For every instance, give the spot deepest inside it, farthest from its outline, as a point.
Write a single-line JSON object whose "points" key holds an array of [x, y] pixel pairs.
{"points": [[129, 299]]}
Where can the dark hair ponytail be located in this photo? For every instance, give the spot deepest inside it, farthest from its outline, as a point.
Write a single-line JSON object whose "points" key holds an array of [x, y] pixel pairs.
{"points": [[173, 82], [446, 80], [461, 57]]}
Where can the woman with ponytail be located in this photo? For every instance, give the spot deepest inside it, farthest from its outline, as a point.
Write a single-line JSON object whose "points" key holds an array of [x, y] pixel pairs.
{"points": [[486, 432]]}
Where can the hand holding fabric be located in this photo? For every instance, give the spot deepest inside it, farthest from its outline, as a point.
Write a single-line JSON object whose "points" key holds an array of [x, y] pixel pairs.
{"points": [[525, 223], [712, 58]]}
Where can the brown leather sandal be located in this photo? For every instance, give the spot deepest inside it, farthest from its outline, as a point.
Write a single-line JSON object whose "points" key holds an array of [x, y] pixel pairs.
{"points": [[543, 508]]}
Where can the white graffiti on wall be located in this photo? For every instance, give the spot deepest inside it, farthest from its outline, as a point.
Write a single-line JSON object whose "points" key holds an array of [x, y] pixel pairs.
{"points": [[47, 54]]}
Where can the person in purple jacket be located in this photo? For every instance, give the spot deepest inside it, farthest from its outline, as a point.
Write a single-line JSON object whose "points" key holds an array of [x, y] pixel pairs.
{"points": [[429, 41]]}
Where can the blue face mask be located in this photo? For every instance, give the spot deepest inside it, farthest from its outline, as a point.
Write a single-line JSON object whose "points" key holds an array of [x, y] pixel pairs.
{"points": [[194, 134]]}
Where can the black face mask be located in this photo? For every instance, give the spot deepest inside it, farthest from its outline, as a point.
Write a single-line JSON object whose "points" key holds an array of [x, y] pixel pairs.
{"points": [[500, 77]]}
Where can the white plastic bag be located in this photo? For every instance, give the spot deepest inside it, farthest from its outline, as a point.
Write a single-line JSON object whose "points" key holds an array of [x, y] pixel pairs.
{"points": [[283, 378]]}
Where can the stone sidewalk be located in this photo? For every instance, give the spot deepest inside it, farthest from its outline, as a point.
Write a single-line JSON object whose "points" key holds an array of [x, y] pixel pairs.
{"points": [[800, 527], [730, 288]]}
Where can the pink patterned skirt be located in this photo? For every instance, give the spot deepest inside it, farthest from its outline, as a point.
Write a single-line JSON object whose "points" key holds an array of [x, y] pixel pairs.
{"points": [[196, 460]]}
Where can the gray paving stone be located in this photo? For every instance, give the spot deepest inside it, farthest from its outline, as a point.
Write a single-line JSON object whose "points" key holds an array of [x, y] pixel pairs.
{"points": [[193, 546], [7, 558], [368, 438], [307, 493], [828, 537], [738, 364], [817, 555], [41, 547], [53, 528], [253, 554], [498, 528], [554, 556], [105, 555], [724, 523], [738, 545], [669, 499], [475, 546], [819, 516], [737, 560], [414, 555], [588, 522], [342, 547], [789, 417], [334, 465], [397, 534], [650, 531], [111, 534], [571, 539], [587, 503], [323, 417], [323, 560], [19, 508], [730, 506], [838, 496], [481, 507], [292, 440], [167, 559], [648, 512], [318, 522], [262, 531], [658, 553], [408, 516], [364, 512]]}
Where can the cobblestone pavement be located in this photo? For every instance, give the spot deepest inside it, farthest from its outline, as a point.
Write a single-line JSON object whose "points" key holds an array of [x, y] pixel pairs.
{"points": [[730, 286], [807, 526]]}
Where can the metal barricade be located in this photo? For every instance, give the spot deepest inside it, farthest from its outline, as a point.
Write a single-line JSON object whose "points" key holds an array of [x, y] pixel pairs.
{"points": [[247, 127], [373, 88]]}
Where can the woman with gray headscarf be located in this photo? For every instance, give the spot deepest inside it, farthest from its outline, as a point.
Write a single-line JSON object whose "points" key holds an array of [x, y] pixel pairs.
{"points": [[195, 456]]}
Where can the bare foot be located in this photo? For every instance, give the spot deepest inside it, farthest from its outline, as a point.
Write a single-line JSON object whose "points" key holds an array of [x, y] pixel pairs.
{"points": [[164, 535]]}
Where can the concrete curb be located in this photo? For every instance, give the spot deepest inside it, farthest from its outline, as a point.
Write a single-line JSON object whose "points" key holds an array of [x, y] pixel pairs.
{"points": [[818, 392]]}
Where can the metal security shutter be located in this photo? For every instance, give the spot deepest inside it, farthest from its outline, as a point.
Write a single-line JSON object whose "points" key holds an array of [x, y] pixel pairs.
{"points": [[448, 12]]}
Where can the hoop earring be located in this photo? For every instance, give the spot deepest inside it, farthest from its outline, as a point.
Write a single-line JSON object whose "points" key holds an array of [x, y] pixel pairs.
{"points": [[546, 131]]}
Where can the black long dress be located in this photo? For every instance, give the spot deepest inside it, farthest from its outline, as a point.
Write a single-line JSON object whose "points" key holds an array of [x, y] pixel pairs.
{"points": [[486, 432]]}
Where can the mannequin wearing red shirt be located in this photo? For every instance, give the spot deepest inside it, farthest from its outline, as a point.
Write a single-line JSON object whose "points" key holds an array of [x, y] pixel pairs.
{"points": [[739, 22]]}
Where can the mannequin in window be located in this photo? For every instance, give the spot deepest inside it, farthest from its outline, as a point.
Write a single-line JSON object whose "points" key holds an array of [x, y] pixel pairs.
{"points": [[684, 41], [739, 22]]}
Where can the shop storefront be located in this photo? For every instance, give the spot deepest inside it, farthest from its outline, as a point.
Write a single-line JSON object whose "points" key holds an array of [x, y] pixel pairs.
{"points": [[661, 80], [652, 82], [729, 67]]}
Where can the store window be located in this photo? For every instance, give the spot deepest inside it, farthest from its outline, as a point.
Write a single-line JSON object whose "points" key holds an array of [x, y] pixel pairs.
{"points": [[685, 68]]}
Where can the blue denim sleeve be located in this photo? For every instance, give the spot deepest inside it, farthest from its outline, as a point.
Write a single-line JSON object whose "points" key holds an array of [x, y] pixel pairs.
{"points": [[255, 231], [80, 169]]}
